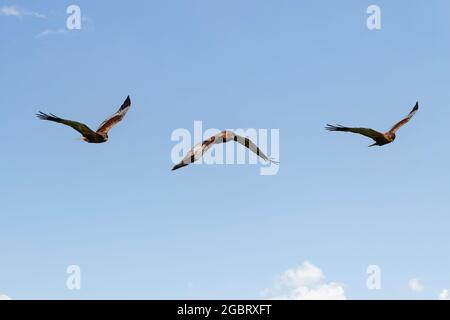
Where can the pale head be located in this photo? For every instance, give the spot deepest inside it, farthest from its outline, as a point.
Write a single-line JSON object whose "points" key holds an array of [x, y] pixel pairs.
{"points": [[390, 136]]}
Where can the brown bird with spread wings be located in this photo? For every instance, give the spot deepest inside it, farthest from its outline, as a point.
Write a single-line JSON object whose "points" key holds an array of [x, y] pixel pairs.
{"points": [[379, 138], [99, 136], [223, 137]]}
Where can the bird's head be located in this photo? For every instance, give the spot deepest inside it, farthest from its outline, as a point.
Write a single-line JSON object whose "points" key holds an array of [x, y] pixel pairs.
{"points": [[391, 136]]}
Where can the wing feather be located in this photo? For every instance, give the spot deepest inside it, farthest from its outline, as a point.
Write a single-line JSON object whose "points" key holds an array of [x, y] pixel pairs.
{"points": [[115, 118], [370, 133], [401, 123], [249, 144], [78, 126], [196, 152]]}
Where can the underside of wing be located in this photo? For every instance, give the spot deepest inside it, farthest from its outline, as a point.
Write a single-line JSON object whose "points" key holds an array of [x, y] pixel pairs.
{"points": [[115, 118], [246, 142], [370, 133], [195, 153], [406, 119], [78, 126]]}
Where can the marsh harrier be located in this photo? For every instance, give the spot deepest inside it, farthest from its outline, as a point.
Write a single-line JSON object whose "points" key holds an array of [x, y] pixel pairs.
{"points": [[99, 136], [379, 138], [223, 137]]}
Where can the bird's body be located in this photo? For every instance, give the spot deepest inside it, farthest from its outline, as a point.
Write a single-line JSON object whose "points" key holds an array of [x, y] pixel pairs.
{"points": [[387, 138], [380, 139], [98, 138], [88, 135], [223, 137]]}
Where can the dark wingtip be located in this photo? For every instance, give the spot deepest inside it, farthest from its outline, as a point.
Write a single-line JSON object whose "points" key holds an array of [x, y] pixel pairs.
{"points": [[416, 107], [178, 166], [126, 103], [127, 100], [50, 117], [42, 116], [330, 127]]}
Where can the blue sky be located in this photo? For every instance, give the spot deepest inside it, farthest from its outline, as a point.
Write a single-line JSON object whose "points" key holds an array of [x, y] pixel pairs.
{"points": [[140, 231]]}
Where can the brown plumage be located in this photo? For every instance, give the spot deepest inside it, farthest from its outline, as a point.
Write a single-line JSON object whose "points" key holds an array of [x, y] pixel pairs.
{"points": [[99, 136], [223, 137], [379, 138]]}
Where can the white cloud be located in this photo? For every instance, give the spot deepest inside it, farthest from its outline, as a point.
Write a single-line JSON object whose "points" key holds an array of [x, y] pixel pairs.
{"points": [[306, 282], [415, 285], [14, 11], [4, 297], [444, 295], [48, 32]]}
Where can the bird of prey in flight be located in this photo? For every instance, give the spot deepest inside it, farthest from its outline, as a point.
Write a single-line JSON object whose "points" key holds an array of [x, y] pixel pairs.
{"points": [[223, 137], [99, 136], [379, 138]]}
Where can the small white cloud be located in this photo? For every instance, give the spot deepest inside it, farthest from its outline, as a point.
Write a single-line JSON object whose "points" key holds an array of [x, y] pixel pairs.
{"points": [[4, 297], [306, 282], [9, 11], [48, 32], [444, 295], [14, 11], [415, 285]]}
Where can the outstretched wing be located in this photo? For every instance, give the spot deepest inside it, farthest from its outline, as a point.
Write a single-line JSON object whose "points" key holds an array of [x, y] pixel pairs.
{"points": [[80, 127], [405, 121], [373, 134], [196, 152], [115, 118], [246, 142]]}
